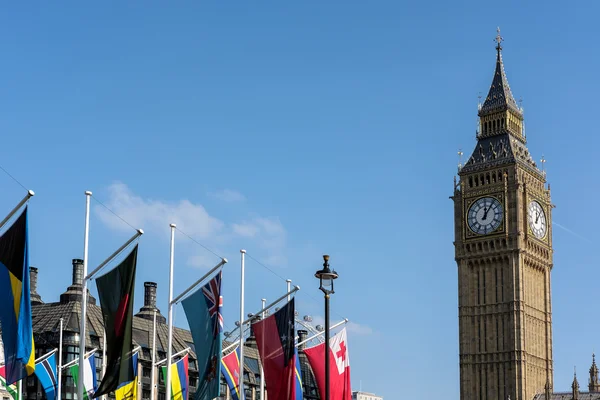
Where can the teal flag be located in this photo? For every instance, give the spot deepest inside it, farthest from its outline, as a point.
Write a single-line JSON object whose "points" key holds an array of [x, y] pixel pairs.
{"points": [[203, 312]]}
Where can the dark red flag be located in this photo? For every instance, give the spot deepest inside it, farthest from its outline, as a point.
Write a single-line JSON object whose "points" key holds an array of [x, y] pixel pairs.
{"points": [[275, 339], [115, 289]]}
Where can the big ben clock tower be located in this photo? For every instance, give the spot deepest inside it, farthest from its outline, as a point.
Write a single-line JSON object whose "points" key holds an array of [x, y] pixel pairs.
{"points": [[503, 249]]}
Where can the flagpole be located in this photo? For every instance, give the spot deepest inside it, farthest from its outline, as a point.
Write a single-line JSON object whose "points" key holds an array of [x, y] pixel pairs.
{"points": [[193, 286], [262, 371], [82, 327], [289, 286], [170, 335], [152, 376], [345, 321], [20, 389], [48, 354], [29, 195], [241, 378], [60, 345], [184, 351], [76, 361], [103, 359], [294, 290]]}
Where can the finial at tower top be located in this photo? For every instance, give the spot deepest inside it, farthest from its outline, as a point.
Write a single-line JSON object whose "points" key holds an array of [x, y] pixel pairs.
{"points": [[499, 39]]}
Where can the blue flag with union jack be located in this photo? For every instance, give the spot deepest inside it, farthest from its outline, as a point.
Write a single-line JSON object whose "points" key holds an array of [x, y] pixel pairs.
{"points": [[203, 310]]}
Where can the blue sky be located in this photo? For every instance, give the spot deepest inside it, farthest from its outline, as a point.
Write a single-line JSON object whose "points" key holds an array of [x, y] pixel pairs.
{"points": [[294, 129]]}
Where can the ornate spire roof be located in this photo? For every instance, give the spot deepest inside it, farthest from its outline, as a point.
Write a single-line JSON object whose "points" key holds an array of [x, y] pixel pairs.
{"points": [[499, 97]]}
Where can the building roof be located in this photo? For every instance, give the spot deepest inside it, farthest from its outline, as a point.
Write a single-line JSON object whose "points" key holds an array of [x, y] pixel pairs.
{"points": [[568, 396], [499, 150], [499, 96], [500, 146]]}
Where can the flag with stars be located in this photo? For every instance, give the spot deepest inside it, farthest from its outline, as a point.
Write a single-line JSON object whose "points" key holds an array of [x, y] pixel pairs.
{"points": [[275, 338], [339, 367], [203, 310]]}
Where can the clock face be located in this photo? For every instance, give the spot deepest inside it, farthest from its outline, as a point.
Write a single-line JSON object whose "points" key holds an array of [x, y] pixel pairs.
{"points": [[485, 215], [537, 219]]}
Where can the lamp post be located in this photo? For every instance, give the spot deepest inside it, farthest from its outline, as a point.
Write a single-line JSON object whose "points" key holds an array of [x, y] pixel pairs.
{"points": [[326, 278]]}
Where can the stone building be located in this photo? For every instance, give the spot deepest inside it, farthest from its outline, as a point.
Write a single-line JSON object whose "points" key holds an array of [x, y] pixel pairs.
{"points": [[503, 250], [358, 395], [46, 326], [593, 392]]}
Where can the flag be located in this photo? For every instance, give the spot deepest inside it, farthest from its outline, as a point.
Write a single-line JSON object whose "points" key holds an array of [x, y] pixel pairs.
{"points": [[128, 390], [298, 376], [15, 312], [11, 389], [230, 367], [339, 367], [275, 339], [45, 371], [90, 382], [115, 290], [203, 312], [179, 379]]}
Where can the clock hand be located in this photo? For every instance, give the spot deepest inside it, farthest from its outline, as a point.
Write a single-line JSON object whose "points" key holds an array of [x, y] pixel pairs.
{"points": [[485, 213], [537, 217]]}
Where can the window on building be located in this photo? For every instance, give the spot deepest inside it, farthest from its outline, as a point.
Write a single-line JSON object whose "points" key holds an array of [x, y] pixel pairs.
{"points": [[193, 381], [146, 372], [146, 394]]}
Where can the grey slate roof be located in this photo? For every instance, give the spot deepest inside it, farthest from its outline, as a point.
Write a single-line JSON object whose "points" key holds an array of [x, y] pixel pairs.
{"points": [[568, 396], [499, 150], [499, 97]]}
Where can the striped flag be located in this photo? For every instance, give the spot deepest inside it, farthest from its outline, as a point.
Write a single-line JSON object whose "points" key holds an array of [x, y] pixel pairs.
{"points": [[179, 379], [90, 383], [128, 390], [230, 367], [17, 331], [11, 389], [298, 374], [45, 371]]}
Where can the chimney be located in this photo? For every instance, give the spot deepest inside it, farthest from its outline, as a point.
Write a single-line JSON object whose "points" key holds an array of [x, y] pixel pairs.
{"points": [[77, 272], [251, 339], [150, 295], [302, 335], [147, 311], [35, 297], [74, 291]]}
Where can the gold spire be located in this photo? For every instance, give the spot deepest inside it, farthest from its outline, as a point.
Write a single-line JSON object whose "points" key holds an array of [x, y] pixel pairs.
{"points": [[498, 40]]}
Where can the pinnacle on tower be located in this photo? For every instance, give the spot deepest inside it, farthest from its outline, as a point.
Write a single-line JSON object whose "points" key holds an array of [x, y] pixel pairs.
{"points": [[499, 97]]}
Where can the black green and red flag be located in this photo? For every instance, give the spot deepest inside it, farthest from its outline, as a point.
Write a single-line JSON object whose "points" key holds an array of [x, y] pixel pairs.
{"points": [[115, 290]]}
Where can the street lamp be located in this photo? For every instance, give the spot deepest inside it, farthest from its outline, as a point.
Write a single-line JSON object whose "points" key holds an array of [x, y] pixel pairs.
{"points": [[326, 278]]}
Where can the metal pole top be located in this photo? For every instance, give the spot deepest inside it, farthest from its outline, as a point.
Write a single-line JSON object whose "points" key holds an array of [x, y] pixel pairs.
{"points": [[243, 251], [88, 193], [173, 225]]}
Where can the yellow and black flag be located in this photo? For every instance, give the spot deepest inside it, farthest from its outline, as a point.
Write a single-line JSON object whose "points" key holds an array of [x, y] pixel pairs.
{"points": [[15, 302]]}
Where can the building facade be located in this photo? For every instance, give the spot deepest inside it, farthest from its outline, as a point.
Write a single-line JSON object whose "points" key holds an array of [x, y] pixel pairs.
{"points": [[46, 319], [358, 395], [503, 250]]}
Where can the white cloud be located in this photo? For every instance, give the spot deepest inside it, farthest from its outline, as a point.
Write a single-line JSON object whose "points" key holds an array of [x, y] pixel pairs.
{"points": [[147, 214], [352, 327], [261, 236], [228, 196], [203, 260], [245, 229], [358, 329], [268, 233]]}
